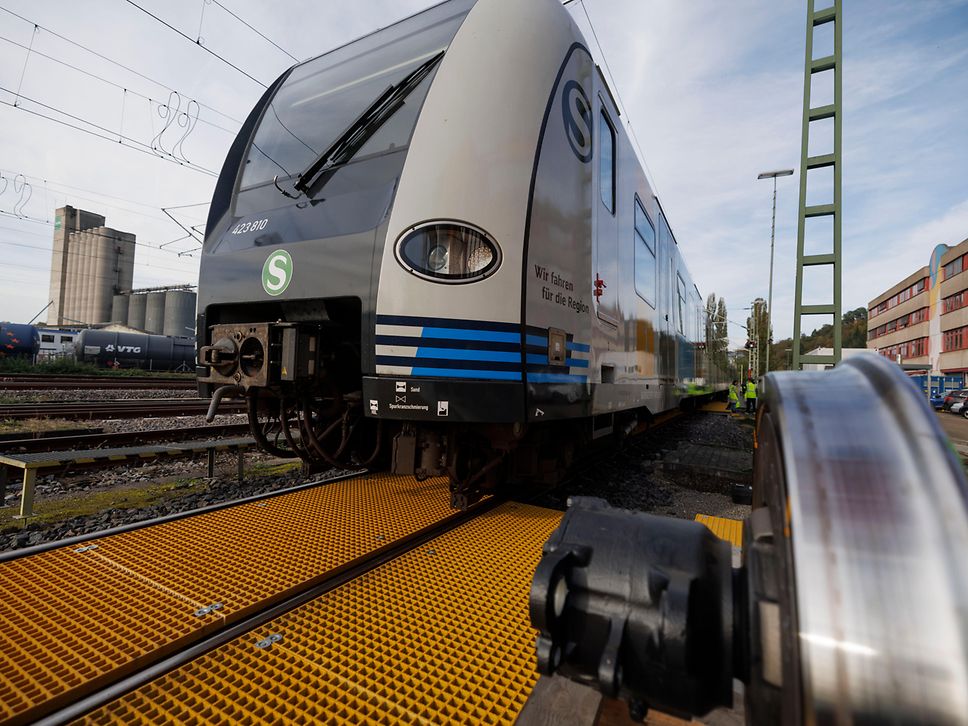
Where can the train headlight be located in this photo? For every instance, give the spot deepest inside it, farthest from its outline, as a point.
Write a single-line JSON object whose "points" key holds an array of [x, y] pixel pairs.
{"points": [[437, 259], [448, 252]]}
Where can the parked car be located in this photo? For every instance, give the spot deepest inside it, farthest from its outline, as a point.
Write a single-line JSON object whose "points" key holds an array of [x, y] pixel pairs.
{"points": [[960, 408], [937, 400], [954, 397]]}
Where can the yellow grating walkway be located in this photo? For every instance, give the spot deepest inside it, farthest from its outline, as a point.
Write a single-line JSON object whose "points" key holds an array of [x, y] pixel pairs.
{"points": [[730, 530], [72, 617], [438, 635], [715, 407]]}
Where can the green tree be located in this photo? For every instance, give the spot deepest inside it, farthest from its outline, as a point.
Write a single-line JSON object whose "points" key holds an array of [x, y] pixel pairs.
{"points": [[758, 332], [717, 335], [853, 335]]}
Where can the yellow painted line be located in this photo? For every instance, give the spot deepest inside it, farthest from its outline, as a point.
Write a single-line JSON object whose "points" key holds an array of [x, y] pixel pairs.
{"points": [[438, 635], [117, 457], [730, 530], [70, 621]]}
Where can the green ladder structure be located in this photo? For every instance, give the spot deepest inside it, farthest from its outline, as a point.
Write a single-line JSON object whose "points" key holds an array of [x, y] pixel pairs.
{"points": [[813, 65]]}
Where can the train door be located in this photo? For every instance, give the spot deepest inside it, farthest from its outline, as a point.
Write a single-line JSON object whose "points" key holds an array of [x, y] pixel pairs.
{"points": [[606, 272], [666, 318]]}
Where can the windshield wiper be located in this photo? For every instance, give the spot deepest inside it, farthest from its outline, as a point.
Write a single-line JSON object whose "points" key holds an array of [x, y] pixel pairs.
{"points": [[358, 133]]}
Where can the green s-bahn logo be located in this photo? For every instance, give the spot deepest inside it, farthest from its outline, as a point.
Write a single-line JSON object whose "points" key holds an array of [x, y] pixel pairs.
{"points": [[277, 272]]}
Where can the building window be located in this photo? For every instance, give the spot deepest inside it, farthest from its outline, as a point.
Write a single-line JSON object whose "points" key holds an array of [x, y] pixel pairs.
{"points": [[906, 294], [954, 339], [918, 316], [46, 338], [644, 255], [916, 348], [67, 338], [954, 302], [954, 267], [606, 138]]}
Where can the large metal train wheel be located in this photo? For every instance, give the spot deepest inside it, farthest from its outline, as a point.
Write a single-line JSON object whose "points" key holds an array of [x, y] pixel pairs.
{"points": [[869, 517], [851, 601]]}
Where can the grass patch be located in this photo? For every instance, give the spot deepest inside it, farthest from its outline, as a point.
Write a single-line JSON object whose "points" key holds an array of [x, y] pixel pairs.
{"points": [[70, 367], [32, 425], [265, 469], [60, 509]]}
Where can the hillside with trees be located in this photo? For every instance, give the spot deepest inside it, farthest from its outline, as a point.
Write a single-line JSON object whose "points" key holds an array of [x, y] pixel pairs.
{"points": [[854, 336]]}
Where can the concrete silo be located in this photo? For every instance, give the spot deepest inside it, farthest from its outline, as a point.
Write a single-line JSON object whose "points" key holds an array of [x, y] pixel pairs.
{"points": [[155, 312], [136, 311], [119, 309], [90, 264], [179, 312]]}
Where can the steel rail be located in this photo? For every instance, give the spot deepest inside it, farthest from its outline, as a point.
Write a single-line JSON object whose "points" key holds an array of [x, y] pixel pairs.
{"points": [[122, 408], [11, 555], [109, 440], [334, 579], [43, 383]]}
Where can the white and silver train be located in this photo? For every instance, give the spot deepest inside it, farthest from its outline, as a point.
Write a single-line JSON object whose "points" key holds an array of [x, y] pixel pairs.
{"points": [[436, 244]]}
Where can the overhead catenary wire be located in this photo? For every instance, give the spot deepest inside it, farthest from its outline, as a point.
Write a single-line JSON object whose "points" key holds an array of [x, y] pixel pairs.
{"points": [[106, 135], [125, 89], [37, 220], [62, 190], [113, 62], [255, 30], [196, 43], [74, 188], [80, 254]]}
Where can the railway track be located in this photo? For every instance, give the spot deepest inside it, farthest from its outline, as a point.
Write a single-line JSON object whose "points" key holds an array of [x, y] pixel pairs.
{"points": [[368, 585], [86, 382], [151, 598], [121, 408], [124, 438]]}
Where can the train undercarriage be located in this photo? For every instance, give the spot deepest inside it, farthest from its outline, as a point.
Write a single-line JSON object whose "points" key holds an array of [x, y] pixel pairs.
{"points": [[304, 399]]}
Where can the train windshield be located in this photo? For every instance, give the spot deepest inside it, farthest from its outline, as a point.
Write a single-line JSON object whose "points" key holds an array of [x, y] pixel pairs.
{"points": [[322, 97]]}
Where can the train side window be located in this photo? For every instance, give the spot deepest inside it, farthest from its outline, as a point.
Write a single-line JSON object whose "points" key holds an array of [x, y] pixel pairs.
{"points": [[645, 267], [606, 146], [681, 294]]}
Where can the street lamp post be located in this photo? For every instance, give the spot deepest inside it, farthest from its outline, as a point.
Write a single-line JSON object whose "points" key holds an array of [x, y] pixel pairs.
{"points": [[769, 306]]}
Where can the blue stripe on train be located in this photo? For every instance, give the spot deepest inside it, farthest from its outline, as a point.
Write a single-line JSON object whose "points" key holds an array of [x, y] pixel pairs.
{"points": [[464, 334], [556, 378], [466, 373], [450, 323], [476, 355], [415, 342]]}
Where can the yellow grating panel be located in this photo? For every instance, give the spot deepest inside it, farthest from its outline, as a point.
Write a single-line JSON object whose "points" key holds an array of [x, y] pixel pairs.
{"points": [[730, 530], [69, 618], [438, 635], [715, 407]]}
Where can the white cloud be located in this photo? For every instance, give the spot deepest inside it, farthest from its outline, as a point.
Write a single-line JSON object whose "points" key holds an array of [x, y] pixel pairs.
{"points": [[713, 90]]}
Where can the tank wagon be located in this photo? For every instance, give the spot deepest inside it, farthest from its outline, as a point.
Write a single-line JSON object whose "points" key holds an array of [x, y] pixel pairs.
{"points": [[135, 350], [19, 341], [437, 243]]}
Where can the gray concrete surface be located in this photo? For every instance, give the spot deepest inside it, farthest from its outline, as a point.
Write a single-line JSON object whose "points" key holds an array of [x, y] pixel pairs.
{"points": [[956, 427]]}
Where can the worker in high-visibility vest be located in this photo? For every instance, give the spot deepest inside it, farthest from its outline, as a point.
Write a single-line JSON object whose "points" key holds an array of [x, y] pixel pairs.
{"points": [[734, 396], [750, 396]]}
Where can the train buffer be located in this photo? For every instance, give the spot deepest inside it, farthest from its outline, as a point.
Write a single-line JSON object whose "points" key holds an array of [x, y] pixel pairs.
{"points": [[32, 463]]}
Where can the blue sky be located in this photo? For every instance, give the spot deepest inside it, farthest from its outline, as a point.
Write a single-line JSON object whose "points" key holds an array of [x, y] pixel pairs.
{"points": [[713, 92]]}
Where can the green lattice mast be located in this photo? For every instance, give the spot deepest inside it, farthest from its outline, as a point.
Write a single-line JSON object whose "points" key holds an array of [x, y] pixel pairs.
{"points": [[833, 258]]}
